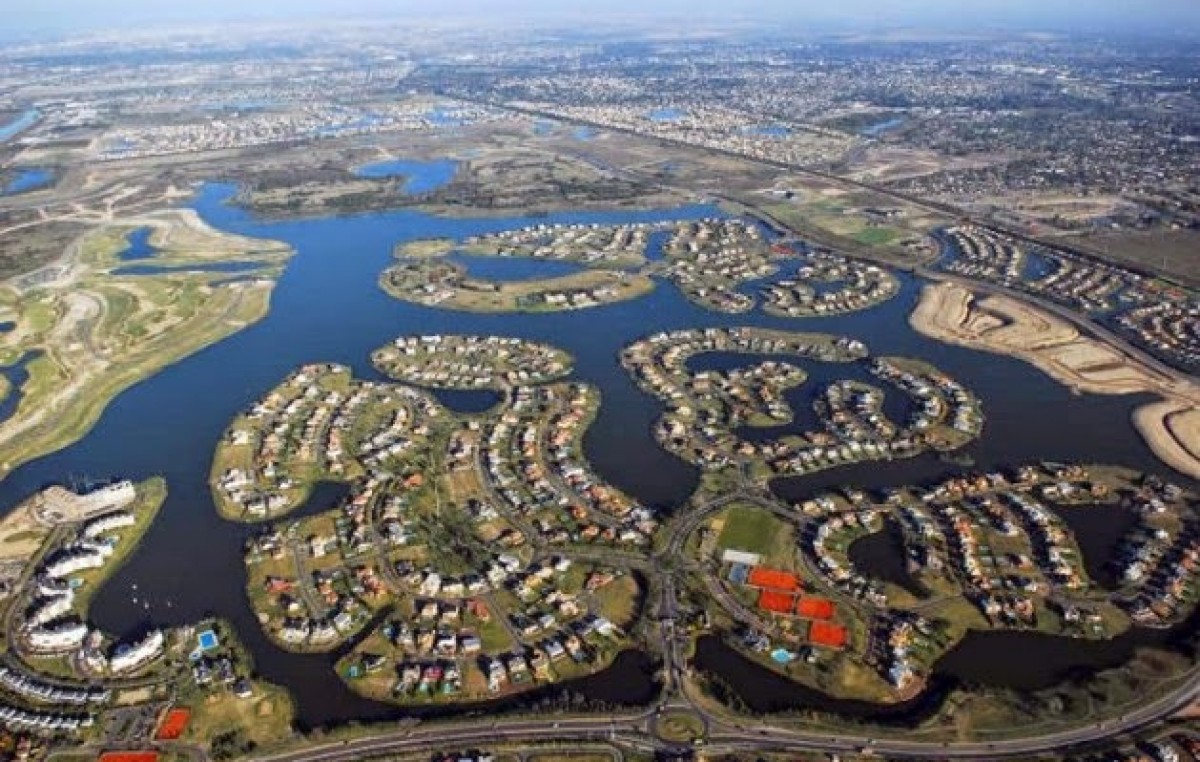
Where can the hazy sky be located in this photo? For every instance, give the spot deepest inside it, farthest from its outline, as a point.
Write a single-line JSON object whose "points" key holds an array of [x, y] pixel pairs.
{"points": [[59, 15]]}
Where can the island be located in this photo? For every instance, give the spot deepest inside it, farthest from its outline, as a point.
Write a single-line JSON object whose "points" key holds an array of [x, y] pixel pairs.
{"points": [[449, 565], [708, 409]]}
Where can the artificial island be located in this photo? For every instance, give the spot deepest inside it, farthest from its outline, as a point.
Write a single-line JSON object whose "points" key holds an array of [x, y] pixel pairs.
{"points": [[458, 423]]}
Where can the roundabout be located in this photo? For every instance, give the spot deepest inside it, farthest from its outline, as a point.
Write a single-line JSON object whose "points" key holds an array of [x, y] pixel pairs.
{"points": [[679, 726]]}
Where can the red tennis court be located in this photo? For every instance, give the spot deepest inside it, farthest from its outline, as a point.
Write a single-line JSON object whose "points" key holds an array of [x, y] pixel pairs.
{"points": [[173, 724], [815, 608], [828, 634], [780, 603], [129, 756], [774, 579]]}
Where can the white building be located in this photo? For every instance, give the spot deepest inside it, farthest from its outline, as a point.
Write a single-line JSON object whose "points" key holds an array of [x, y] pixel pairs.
{"points": [[107, 523], [49, 609], [63, 637], [116, 495], [130, 657], [74, 560]]}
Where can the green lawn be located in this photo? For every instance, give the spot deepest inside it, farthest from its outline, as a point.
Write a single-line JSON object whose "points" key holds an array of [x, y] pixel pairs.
{"points": [[494, 636], [877, 236], [752, 529], [679, 727]]}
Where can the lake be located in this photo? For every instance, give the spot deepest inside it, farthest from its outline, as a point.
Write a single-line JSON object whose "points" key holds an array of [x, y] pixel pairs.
{"points": [[666, 114], [328, 307], [768, 130], [420, 176], [23, 122], [27, 180]]}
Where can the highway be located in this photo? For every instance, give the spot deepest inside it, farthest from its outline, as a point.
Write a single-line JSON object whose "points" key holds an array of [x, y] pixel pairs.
{"points": [[633, 729]]}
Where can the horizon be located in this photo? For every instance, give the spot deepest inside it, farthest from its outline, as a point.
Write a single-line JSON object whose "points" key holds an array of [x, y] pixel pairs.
{"points": [[75, 17]]}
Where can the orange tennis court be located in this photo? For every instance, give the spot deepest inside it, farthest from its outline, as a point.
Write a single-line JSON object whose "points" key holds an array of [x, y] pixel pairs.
{"points": [[780, 603], [828, 634], [815, 608], [173, 724], [774, 579]]}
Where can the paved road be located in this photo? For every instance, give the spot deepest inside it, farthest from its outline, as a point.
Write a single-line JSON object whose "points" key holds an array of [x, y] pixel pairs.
{"points": [[316, 604], [633, 730], [724, 731]]}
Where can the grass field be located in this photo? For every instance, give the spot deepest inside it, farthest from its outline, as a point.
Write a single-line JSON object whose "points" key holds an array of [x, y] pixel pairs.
{"points": [[494, 636], [618, 600], [749, 528], [678, 727], [839, 225], [21, 534], [876, 236], [425, 247], [839, 220], [264, 719]]}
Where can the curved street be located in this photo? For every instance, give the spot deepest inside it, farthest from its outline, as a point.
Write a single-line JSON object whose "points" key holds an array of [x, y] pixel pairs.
{"points": [[726, 732]]}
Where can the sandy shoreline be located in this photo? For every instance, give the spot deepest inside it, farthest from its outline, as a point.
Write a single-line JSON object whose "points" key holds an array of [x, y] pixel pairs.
{"points": [[1181, 426], [1005, 325]]}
